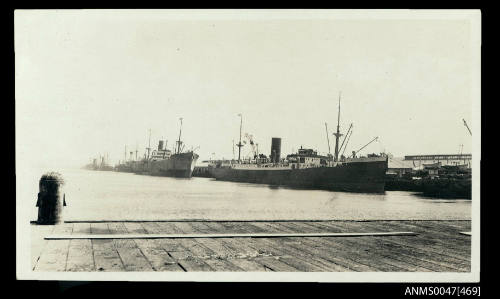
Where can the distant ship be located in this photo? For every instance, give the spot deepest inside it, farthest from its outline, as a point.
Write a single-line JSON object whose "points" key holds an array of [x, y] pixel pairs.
{"points": [[162, 162], [102, 165], [306, 169]]}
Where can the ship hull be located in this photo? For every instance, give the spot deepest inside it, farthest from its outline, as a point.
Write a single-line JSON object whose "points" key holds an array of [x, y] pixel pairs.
{"points": [[178, 165], [364, 177]]}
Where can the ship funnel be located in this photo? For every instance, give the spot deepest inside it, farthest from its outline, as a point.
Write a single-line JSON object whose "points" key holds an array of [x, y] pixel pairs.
{"points": [[275, 150], [160, 145]]}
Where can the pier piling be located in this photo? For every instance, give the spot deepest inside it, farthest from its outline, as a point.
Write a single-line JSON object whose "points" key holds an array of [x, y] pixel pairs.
{"points": [[51, 199]]}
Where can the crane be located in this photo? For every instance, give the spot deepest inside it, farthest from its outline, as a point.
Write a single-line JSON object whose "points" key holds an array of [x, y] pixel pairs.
{"points": [[349, 130], [355, 152], [348, 138], [465, 124], [327, 138]]}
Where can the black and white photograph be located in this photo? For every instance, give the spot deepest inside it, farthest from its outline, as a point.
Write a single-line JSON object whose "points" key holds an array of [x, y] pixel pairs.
{"points": [[313, 145]]}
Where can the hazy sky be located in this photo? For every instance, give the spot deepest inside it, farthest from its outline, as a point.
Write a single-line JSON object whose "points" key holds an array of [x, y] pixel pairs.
{"points": [[90, 82]]}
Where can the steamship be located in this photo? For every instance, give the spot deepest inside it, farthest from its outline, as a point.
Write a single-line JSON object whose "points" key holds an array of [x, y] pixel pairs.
{"points": [[103, 165], [164, 162], [308, 170]]}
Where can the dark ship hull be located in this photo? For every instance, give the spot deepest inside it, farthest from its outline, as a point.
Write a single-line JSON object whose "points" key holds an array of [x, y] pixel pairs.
{"points": [[365, 176], [446, 188], [124, 167], [178, 165], [98, 168]]}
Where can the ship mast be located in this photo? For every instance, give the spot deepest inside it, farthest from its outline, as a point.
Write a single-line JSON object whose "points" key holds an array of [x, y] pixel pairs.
{"points": [[233, 149], [337, 135], [327, 138], [179, 141], [239, 145], [149, 144]]}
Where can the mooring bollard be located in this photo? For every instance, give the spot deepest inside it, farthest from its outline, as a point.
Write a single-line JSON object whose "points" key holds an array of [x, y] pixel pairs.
{"points": [[51, 199]]}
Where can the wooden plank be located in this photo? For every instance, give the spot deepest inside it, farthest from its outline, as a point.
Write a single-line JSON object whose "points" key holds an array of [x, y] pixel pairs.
{"points": [[345, 254], [274, 264], [239, 227], [241, 246], [303, 227], [157, 256], [170, 245], [458, 225], [168, 228], [222, 265], [154, 250], [192, 255], [135, 227], [213, 236], [440, 225], [192, 264], [197, 249], [284, 247], [38, 243], [194, 246], [131, 255], [427, 240], [293, 248], [362, 253], [313, 261], [55, 255], [395, 254], [434, 231], [420, 247], [261, 246], [80, 255], [382, 257], [438, 231], [248, 265], [202, 248], [267, 227], [406, 255], [198, 220], [434, 252], [245, 247], [106, 257], [301, 265]]}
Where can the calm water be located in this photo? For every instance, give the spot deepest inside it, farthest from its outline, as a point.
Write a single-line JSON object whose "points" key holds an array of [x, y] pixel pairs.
{"points": [[94, 195]]}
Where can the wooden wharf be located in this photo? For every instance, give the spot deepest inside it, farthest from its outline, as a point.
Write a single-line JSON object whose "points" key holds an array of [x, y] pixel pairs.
{"points": [[289, 246]]}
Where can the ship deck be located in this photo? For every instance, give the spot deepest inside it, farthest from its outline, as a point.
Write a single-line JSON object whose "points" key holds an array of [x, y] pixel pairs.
{"points": [[433, 246]]}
